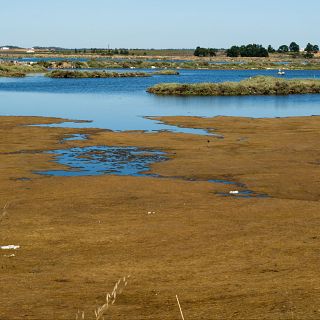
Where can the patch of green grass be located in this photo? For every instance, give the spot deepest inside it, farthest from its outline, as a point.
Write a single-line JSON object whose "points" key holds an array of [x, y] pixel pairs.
{"points": [[259, 85], [166, 73], [18, 70]]}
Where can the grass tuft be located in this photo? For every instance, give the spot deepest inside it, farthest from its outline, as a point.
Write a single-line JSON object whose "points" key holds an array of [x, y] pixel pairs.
{"points": [[100, 311]]}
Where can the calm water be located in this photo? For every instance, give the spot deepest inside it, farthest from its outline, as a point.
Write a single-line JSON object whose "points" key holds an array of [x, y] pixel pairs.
{"points": [[101, 160], [121, 104]]}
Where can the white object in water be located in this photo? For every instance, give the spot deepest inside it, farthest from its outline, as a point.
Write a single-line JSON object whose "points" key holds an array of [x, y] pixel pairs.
{"points": [[281, 73], [234, 192], [153, 67], [10, 247]]}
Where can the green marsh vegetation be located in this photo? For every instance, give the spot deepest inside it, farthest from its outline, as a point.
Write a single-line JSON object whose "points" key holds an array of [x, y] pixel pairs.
{"points": [[166, 73], [106, 74], [260, 85], [216, 64], [95, 74], [19, 70]]}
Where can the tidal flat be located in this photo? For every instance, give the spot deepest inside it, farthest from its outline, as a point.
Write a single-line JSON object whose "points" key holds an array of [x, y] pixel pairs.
{"points": [[225, 257]]}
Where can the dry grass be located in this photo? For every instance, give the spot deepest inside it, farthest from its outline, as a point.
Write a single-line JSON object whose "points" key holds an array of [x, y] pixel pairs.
{"points": [[228, 258], [100, 311], [181, 313], [4, 212]]}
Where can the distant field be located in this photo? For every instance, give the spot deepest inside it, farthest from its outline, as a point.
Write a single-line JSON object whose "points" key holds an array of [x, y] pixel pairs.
{"points": [[163, 52]]}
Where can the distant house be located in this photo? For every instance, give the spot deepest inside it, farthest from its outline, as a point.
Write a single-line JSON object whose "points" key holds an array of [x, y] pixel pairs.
{"points": [[4, 48], [31, 50]]}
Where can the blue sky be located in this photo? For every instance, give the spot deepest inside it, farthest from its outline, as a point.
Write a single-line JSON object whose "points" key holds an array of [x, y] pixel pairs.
{"points": [[158, 24]]}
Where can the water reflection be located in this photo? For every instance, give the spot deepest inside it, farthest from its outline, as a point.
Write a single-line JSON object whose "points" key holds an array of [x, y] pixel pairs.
{"points": [[122, 104]]}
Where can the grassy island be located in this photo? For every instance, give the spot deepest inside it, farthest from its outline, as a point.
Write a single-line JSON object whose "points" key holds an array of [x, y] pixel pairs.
{"points": [[18, 70], [260, 85], [95, 74], [106, 74], [166, 73]]}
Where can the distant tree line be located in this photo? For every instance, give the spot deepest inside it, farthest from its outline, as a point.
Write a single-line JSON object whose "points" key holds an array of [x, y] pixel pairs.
{"points": [[309, 50], [256, 50], [205, 52], [108, 52], [250, 50]]}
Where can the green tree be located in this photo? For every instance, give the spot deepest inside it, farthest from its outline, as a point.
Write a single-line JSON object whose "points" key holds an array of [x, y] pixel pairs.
{"points": [[203, 52], [294, 47], [212, 52], [309, 48], [284, 48], [234, 51], [253, 50], [124, 51], [271, 49], [197, 52]]}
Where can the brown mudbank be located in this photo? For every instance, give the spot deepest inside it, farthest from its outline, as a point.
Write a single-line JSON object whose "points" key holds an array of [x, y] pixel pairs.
{"points": [[226, 258]]}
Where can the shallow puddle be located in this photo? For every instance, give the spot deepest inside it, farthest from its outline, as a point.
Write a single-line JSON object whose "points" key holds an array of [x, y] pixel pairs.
{"points": [[123, 161], [75, 137], [101, 160]]}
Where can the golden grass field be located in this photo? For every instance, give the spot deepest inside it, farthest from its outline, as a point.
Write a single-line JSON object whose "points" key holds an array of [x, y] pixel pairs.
{"points": [[226, 258]]}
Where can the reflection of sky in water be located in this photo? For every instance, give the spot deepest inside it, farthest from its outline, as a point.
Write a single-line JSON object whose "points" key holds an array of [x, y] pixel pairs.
{"points": [[121, 104], [99, 160]]}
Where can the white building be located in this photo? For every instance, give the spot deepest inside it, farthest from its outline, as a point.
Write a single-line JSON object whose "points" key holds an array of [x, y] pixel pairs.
{"points": [[4, 48]]}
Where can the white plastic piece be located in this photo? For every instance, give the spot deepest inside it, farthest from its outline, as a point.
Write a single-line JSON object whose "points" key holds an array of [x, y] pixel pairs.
{"points": [[10, 247]]}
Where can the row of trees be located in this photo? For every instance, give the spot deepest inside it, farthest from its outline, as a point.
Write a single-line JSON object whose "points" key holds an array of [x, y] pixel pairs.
{"points": [[256, 50], [108, 52], [294, 47], [250, 50]]}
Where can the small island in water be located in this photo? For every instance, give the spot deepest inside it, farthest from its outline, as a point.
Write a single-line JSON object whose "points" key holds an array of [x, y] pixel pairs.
{"points": [[106, 74], [259, 85]]}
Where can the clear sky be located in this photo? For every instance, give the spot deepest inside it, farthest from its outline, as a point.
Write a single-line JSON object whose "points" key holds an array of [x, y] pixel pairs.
{"points": [[158, 23]]}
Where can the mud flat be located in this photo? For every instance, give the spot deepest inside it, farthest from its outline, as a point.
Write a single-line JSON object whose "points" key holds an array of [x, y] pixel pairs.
{"points": [[225, 257]]}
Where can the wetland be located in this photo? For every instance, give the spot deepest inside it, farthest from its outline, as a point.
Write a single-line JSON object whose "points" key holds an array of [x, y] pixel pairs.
{"points": [[215, 199]]}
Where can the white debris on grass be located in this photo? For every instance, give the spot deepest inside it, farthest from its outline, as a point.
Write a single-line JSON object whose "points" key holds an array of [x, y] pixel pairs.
{"points": [[151, 212], [10, 247], [9, 255]]}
